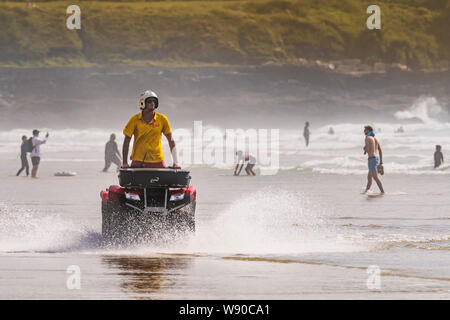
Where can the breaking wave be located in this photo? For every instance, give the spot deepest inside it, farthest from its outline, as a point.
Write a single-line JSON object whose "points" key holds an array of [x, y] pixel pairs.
{"points": [[425, 109], [407, 152]]}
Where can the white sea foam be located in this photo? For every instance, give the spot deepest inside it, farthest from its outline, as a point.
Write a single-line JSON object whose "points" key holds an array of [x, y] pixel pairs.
{"points": [[410, 152], [426, 109]]}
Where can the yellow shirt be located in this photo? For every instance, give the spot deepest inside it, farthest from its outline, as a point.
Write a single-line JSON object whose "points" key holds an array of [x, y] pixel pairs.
{"points": [[147, 137]]}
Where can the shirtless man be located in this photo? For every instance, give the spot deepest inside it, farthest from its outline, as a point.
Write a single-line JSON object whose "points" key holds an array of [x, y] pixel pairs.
{"points": [[372, 147]]}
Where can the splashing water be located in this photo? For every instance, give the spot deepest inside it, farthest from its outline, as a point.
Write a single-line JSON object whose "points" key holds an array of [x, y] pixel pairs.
{"points": [[271, 222], [267, 222], [25, 230], [426, 109]]}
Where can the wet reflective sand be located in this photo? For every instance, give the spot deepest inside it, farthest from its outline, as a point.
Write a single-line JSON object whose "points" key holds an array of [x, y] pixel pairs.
{"points": [[291, 236]]}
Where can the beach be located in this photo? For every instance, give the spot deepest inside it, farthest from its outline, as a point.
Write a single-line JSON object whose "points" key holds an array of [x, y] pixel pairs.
{"points": [[288, 86], [305, 232]]}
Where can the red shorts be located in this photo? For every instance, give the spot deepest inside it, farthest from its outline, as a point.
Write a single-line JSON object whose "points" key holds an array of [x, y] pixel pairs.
{"points": [[140, 164]]}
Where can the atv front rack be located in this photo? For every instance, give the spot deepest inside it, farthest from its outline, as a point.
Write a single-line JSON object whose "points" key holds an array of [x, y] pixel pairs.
{"points": [[154, 178]]}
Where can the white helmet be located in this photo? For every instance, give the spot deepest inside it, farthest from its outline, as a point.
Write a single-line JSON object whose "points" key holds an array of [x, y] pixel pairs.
{"points": [[144, 96]]}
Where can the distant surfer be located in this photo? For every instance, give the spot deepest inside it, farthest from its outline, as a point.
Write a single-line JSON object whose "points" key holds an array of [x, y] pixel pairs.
{"points": [[372, 147], [331, 131], [147, 127], [438, 156], [306, 133], [23, 157], [112, 154], [241, 159]]}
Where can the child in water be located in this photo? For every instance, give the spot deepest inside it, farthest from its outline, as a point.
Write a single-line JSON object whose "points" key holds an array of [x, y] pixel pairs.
{"points": [[438, 156]]}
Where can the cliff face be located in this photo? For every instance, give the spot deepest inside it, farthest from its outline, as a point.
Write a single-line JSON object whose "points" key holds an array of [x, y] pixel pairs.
{"points": [[414, 33]]}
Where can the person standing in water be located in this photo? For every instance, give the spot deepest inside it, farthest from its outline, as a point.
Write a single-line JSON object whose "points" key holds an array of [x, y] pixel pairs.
{"points": [[112, 154], [36, 152], [400, 130], [438, 156], [23, 157], [306, 133], [372, 148]]}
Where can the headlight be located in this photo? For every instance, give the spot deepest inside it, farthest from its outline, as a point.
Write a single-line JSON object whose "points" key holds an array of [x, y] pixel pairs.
{"points": [[177, 197], [132, 196]]}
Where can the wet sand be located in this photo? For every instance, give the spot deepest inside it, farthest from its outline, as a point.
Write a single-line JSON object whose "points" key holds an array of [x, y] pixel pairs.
{"points": [[295, 235]]}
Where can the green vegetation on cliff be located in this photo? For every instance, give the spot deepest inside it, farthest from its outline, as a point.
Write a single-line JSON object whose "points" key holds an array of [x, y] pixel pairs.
{"points": [[414, 32]]}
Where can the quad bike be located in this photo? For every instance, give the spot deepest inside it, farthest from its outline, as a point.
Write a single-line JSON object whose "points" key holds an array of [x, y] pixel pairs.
{"points": [[148, 204]]}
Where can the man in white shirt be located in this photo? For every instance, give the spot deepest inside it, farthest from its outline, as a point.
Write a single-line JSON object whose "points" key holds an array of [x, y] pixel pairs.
{"points": [[36, 152]]}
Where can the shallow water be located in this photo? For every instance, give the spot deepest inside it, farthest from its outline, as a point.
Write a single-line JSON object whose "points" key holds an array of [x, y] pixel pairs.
{"points": [[298, 234]]}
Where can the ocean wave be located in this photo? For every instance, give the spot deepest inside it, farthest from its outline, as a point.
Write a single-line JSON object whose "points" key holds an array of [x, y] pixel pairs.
{"points": [[426, 109], [410, 152]]}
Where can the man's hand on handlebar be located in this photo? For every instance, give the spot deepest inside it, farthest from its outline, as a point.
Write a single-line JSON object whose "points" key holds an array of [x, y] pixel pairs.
{"points": [[176, 166]]}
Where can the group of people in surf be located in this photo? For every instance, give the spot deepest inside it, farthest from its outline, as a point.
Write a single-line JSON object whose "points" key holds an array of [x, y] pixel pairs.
{"points": [[147, 127]]}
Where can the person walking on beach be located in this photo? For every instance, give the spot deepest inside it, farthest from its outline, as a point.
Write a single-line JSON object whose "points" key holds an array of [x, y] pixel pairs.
{"points": [[23, 157], [147, 128], [36, 151], [249, 168], [112, 154], [306, 133], [372, 148], [438, 156]]}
